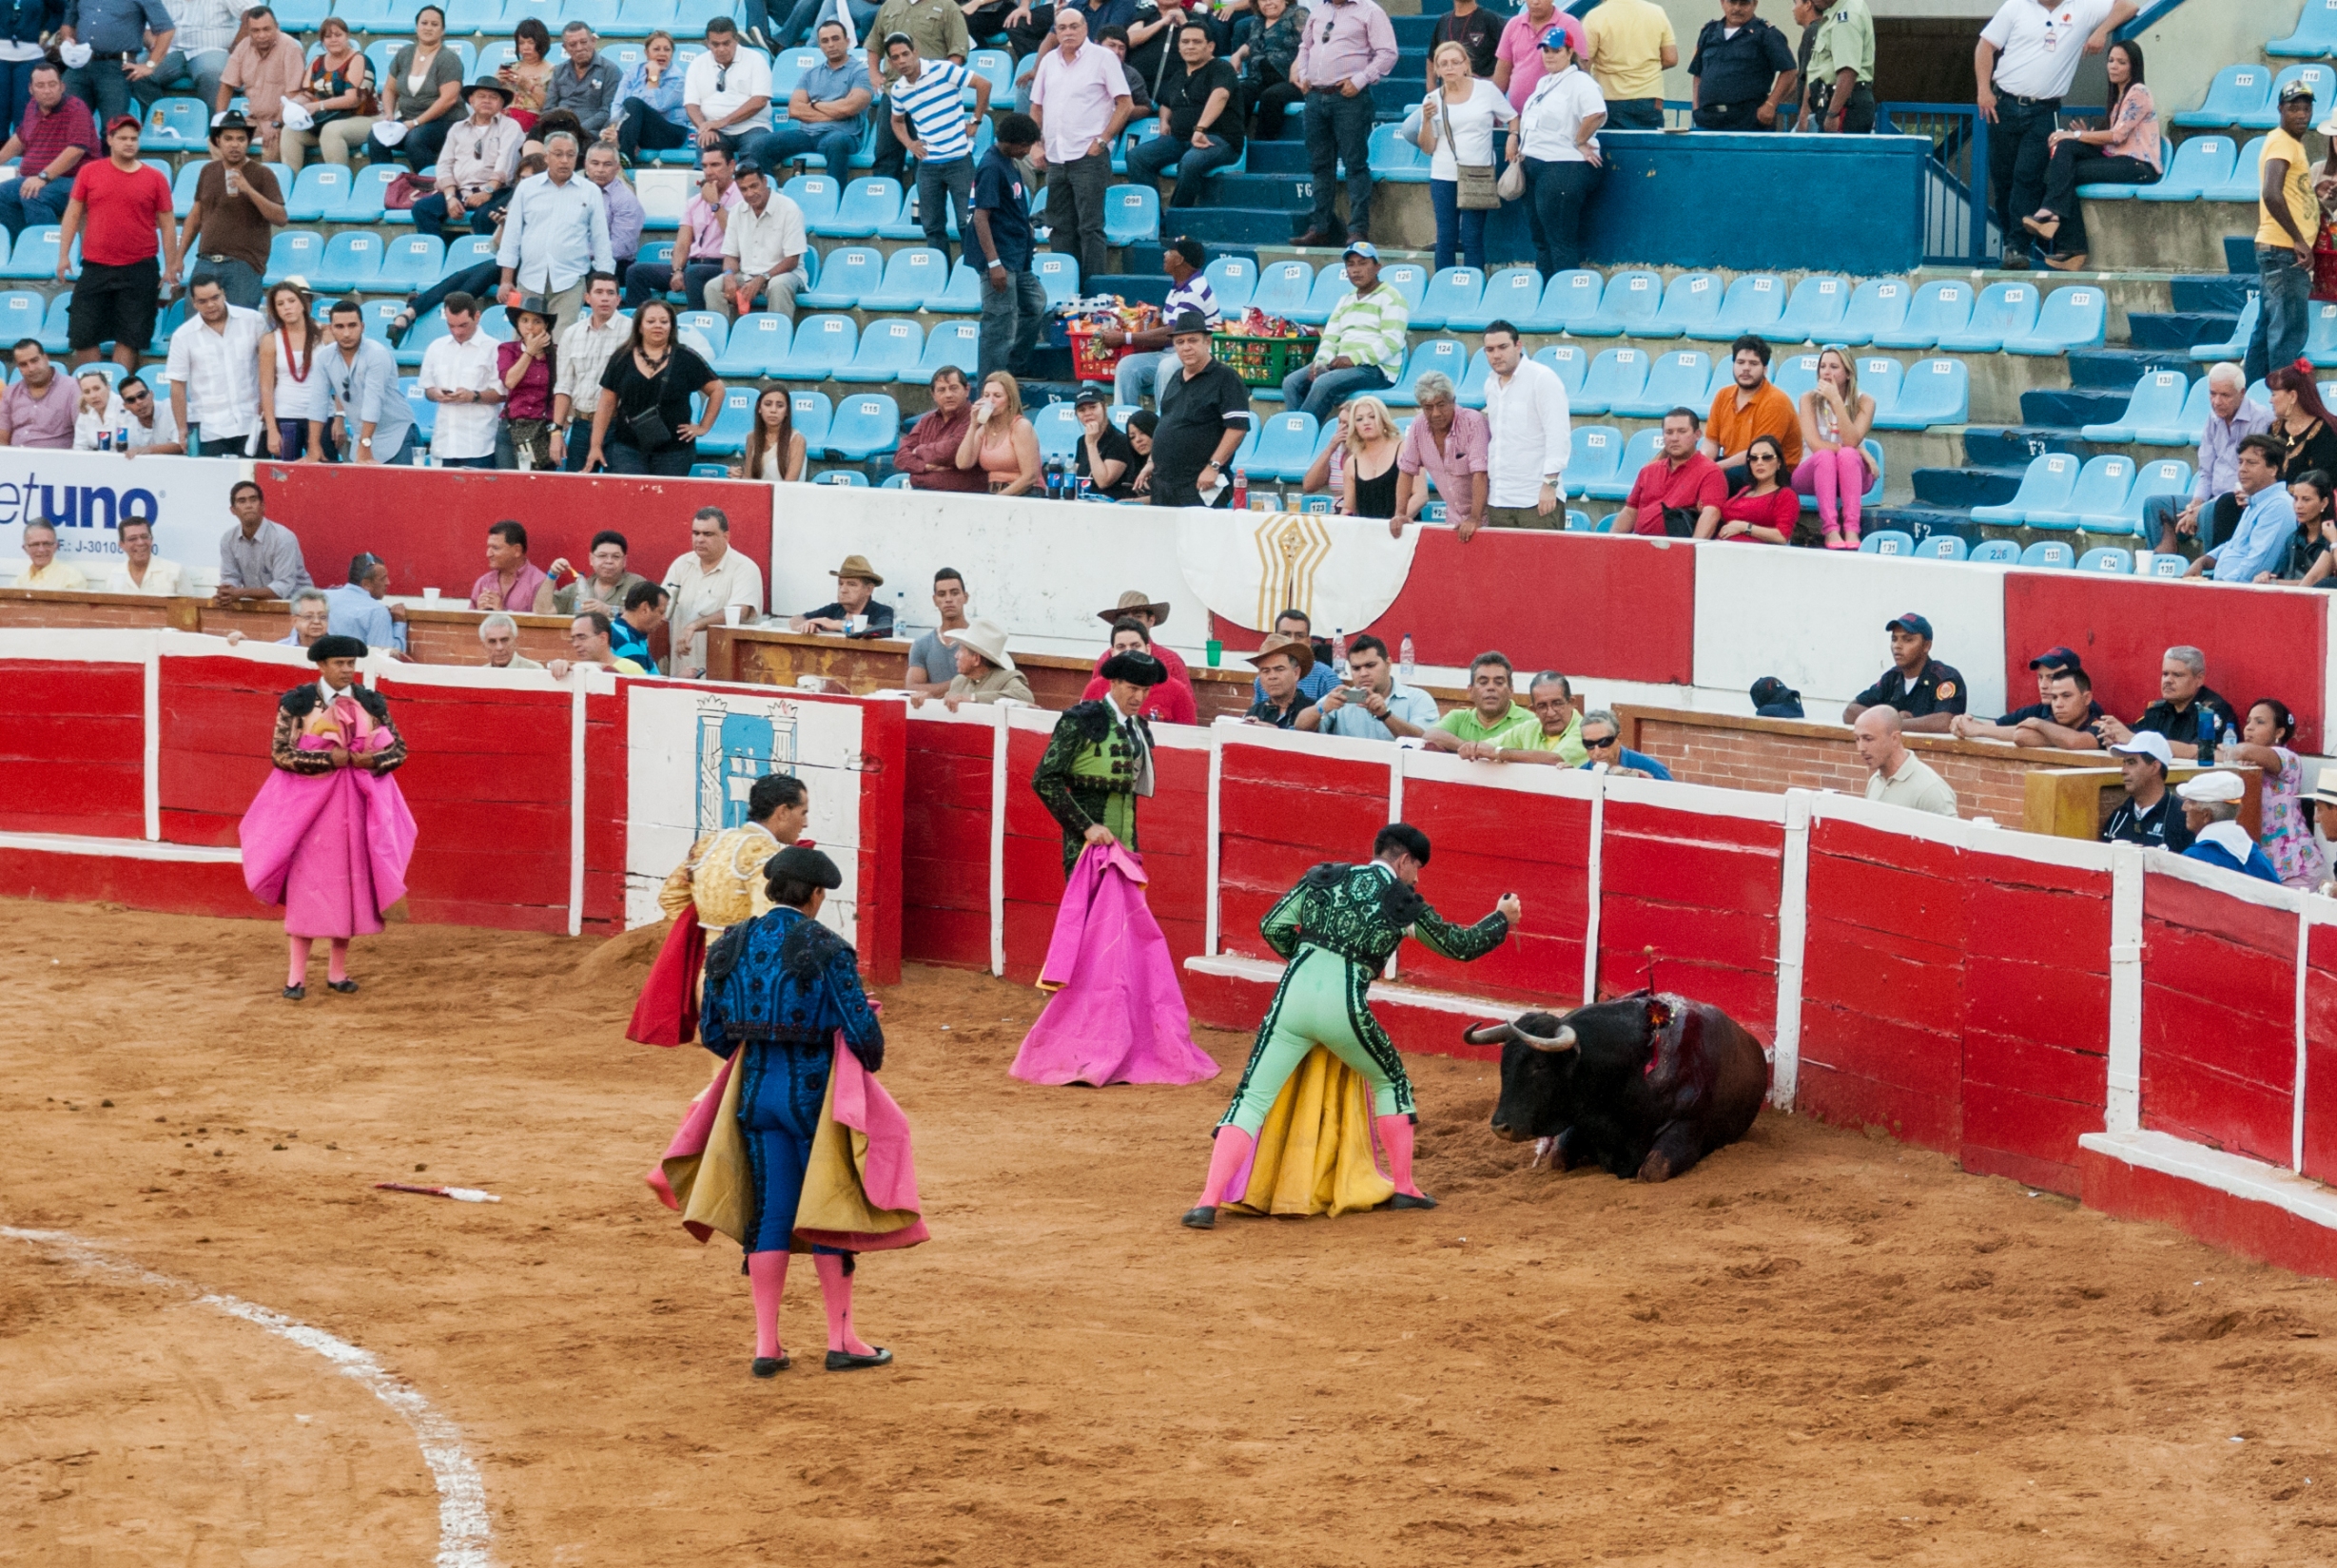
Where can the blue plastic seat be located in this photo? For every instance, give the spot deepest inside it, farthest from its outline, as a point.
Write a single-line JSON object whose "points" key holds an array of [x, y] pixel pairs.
{"points": [[2156, 400], [1629, 305], [849, 272], [319, 194], [910, 277], [811, 411], [2198, 167], [818, 195], [1131, 215], [2236, 345], [1395, 160], [1996, 552], [824, 346], [1058, 425], [1471, 393], [1285, 447], [866, 424], [182, 187], [732, 425], [2320, 78], [1755, 305], [1692, 301], [1410, 281], [1510, 294], [1234, 281], [420, 336], [2051, 553], [351, 263], [1571, 299], [898, 481], [1597, 459], [1940, 309], [376, 314], [2238, 96], [363, 203], [1795, 374], [20, 313], [2044, 488], [2072, 317], [998, 66], [1935, 392], [1057, 274], [294, 251], [2002, 311], [2159, 476], [1942, 547], [1675, 380], [299, 16], [1577, 521], [787, 72], [1886, 541], [1446, 355], [463, 252], [2184, 430], [1641, 450], [849, 479], [175, 125], [2315, 37], [755, 346], [2243, 185], [425, 411], [1814, 313], [411, 261], [2168, 566], [1877, 307], [2097, 499], [962, 296], [956, 344], [57, 326], [888, 348], [1615, 376], [1885, 379], [864, 206], [1283, 289], [1454, 289], [1573, 363], [2109, 559]]}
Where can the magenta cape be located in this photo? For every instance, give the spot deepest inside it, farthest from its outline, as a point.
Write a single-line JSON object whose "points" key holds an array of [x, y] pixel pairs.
{"points": [[331, 847], [1118, 1017]]}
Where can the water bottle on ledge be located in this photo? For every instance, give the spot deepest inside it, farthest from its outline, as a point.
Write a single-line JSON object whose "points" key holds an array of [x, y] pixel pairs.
{"points": [[1403, 658], [1338, 652]]}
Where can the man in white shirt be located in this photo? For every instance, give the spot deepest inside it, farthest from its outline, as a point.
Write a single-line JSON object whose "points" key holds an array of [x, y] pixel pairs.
{"points": [[459, 375], [151, 429], [586, 348], [727, 92], [763, 249], [1895, 775], [214, 373], [703, 583], [2025, 61], [140, 570], [1529, 436], [554, 231]]}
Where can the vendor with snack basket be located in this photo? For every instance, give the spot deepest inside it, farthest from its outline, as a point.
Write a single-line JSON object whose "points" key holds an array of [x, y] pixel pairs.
{"points": [[1147, 365]]}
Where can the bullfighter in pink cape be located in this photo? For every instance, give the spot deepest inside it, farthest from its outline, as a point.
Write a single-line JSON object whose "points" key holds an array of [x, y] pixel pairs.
{"points": [[1117, 1015], [329, 836]]}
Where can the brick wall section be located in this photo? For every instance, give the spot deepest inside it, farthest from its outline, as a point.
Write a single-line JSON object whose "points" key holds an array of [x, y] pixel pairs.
{"points": [[1777, 754]]}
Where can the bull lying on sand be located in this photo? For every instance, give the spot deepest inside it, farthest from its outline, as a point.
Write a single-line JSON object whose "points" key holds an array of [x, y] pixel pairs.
{"points": [[1643, 1084]]}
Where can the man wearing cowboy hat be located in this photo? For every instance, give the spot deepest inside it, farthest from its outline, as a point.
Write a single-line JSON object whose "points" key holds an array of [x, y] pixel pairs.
{"points": [[2211, 807], [238, 204], [1154, 613], [475, 167], [555, 232], [1281, 661], [856, 612], [985, 670]]}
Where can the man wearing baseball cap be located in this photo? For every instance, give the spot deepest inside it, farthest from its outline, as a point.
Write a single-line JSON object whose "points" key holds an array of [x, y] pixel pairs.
{"points": [[1362, 348], [1927, 693], [2211, 807], [2289, 220], [2148, 815]]}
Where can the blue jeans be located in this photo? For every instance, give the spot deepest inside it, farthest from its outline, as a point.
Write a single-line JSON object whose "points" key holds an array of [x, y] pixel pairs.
{"points": [[430, 215], [1635, 114], [1321, 392], [796, 30], [2284, 314], [16, 89], [237, 279], [1010, 322], [172, 74], [101, 84], [47, 206], [1142, 373], [1150, 161], [941, 187], [836, 142], [1339, 131], [1557, 191], [1459, 232]]}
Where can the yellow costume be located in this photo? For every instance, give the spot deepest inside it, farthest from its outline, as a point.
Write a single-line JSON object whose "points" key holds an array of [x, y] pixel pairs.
{"points": [[723, 878]]}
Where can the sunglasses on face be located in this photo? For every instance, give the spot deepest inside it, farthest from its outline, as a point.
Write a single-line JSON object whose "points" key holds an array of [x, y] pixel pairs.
{"points": [[1598, 742]]}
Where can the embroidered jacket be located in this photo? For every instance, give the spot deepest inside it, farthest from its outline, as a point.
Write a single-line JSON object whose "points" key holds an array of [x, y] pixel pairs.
{"points": [[784, 979], [1362, 912], [1089, 773], [301, 711]]}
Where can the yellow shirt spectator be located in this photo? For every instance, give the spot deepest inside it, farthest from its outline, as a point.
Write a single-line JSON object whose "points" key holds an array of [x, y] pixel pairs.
{"points": [[2303, 205], [56, 577], [1627, 40]]}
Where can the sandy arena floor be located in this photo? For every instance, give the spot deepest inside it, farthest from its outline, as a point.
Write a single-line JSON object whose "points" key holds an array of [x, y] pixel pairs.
{"points": [[1817, 1348]]}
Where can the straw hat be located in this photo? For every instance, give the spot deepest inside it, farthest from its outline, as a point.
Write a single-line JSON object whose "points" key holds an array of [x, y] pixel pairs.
{"points": [[1131, 600], [1296, 647], [986, 638], [857, 565]]}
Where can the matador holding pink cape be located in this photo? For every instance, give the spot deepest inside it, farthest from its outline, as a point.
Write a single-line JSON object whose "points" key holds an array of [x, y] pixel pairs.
{"points": [[329, 836]]}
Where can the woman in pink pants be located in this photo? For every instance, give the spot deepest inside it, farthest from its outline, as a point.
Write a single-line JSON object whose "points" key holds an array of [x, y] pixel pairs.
{"points": [[1835, 417]]}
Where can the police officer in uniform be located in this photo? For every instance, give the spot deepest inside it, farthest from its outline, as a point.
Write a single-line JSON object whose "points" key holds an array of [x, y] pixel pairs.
{"points": [[2189, 711], [2149, 815], [1927, 693], [1743, 69]]}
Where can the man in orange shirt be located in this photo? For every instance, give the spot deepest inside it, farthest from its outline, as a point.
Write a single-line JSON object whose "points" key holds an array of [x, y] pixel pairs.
{"points": [[1752, 407]]}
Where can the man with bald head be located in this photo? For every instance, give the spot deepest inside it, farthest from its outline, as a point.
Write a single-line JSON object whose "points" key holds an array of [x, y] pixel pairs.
{"points": [[1896, 776]]}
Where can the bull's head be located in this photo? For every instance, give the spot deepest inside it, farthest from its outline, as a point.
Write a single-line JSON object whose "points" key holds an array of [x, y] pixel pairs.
{"points": [[1510, 1033], [1537, 1055]]}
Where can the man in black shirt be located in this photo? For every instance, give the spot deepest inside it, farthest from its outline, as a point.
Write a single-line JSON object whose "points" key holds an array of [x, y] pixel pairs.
{"points": [[2064, 720], [2149, 815], [2045, 666], [1281, 663], [857, 611], [1741, 71], [1475, 29], [1205, 415], [1014, 303], [2189, 712], [1927, 693], [1200, 120]]}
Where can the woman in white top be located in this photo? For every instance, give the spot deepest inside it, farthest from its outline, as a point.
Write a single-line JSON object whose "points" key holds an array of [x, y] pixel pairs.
{"points": [[775, 449], [1470, 108], [295, 405], [100, 411], [1557, 135]]}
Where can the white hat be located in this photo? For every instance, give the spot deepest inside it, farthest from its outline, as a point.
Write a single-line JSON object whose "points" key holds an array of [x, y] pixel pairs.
{"points": [[2217, 786], [986, 638], [75, 55], [2148, 743], [296, 116], [389, 132]]}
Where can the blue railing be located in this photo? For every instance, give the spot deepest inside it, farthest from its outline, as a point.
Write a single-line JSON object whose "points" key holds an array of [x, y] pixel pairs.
{"points": [[1957, 228]]}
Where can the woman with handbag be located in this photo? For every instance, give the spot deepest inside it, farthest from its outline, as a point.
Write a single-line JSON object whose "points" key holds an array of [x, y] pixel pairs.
{"points": [[337, 90], [645, 426], [2123, 150], [1456, 131], [1556, 138]]}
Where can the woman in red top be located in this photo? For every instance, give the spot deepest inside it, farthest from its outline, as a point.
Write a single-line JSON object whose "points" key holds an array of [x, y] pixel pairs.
{"points": [[1171, 702], [1766, 511], [528, 365]]}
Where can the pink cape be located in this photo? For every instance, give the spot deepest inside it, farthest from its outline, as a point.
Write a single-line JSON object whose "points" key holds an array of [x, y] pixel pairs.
{"points": [[1118, 1017], [331, 847]]}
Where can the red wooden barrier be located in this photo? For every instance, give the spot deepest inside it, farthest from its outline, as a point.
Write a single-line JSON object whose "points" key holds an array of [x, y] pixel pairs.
{"points": [[605, 794], [72, 748], [1703, 890], [487, 776], [1279, 811], [218, 717], [945, 844], [2218, 1019], [2321, 1054], [1490, 841]]}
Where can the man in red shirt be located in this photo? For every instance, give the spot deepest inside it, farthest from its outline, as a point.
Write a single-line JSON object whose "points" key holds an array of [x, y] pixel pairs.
{"points": [[1679, 493], [126, 208], [929, 453]]}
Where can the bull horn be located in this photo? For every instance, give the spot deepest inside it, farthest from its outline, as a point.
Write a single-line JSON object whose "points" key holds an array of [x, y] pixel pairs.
{"points": [[1489, 1033], [1562, 1041]]}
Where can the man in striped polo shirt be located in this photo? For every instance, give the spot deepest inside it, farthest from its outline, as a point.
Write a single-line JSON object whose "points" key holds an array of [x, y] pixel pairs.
{"points": [[929, 119], [1363, 343]]}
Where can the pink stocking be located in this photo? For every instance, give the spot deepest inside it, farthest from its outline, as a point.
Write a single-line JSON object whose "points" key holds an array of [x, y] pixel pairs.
{"points": [[1395, 1133], [1226, 1162], [1850, 478], [300, 962], [836, 1294], [337, 966], [768, 1273]]}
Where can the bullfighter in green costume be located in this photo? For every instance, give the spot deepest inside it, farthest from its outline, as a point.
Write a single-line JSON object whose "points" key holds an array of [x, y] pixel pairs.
{"points": [[1099, 760]]}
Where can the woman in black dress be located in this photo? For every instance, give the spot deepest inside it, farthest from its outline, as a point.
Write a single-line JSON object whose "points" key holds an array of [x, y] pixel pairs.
{"points": [[644, 426]]}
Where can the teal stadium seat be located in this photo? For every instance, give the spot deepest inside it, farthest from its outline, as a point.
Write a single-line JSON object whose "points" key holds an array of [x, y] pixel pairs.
{"points": [[2187, 427], [2099, 495], [898, 481], [2049, 553], [1285, 447], [732, 425], [1234, 281], [849, 272], [962, 296], [1940, 309], [1877, 307], [1454, 289], [905, 225], [1935, 392], [2320, 78], [351, 263], [998, 66], [319, 194], [1942, 547], [1410, 281], [1885, 378], [1445, 355], [425, 411], [1629, 305], [824, 346], [411, 263], [1577, 521], [2235, 346], [817, 194], [1573, 363], [2109, 559], [911, 277], [1886, 541], [2321, 336], [2071, 318], [175, 125], [2159, 476], [1058, 426], [1132, 215], [2168, 566], [1996, 552], [888, 348], [2002, 311], [1754, 306], [2315, 37], [866, 424], [2155, 401], [463, 252], [1571, 298], [1793, 374], [1510, 294], [1597, 457], [1638, 452], [848, 479], [1814, 313], [1692, 301], [2240, 185], [467, 17], [811, 411], [57, 326], [294, 251], [956, 344], [2044, 488], [1057, 274], [182, 187], [1471, 394], [1283, 289], [20, 313], [1615, 376], [786, 71], [2236, 96], [1675, 380], [1395, 160], [2198, 167], [864, 206], [755, 345]]}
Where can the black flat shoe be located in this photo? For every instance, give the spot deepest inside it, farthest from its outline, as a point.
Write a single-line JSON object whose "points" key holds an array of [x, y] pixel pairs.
{"points": [[347, 988], [844, 1361], [1204, 1218], [294, 993], [770, 1367], [1411, 1200]]}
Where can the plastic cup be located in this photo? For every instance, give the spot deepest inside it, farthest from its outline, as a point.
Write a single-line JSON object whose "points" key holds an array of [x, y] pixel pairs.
{"points": [[1215, 651], [430, 593], [732, 612]]}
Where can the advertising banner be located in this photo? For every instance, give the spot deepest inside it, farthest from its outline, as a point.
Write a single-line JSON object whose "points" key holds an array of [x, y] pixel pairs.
{"points": [[86, 493]]}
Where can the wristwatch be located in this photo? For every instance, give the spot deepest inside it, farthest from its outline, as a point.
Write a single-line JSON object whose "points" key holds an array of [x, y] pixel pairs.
{"points": [[365, 441]]}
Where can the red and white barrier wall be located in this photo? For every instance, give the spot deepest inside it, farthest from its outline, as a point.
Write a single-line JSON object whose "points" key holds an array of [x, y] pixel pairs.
{"points": [[127, 758]]}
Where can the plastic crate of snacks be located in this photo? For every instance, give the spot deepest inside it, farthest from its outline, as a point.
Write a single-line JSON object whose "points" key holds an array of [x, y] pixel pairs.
{"points": [[1263, 349], [1084, 319]]}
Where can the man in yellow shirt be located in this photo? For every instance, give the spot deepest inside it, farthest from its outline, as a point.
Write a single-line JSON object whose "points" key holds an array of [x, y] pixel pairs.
{"points": [[1493, 721], [1630, 47], [47, 572], [2289, 221]]}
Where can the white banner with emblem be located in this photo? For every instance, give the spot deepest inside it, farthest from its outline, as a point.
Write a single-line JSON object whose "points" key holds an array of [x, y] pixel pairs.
{"points": [[1250, 565]]}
